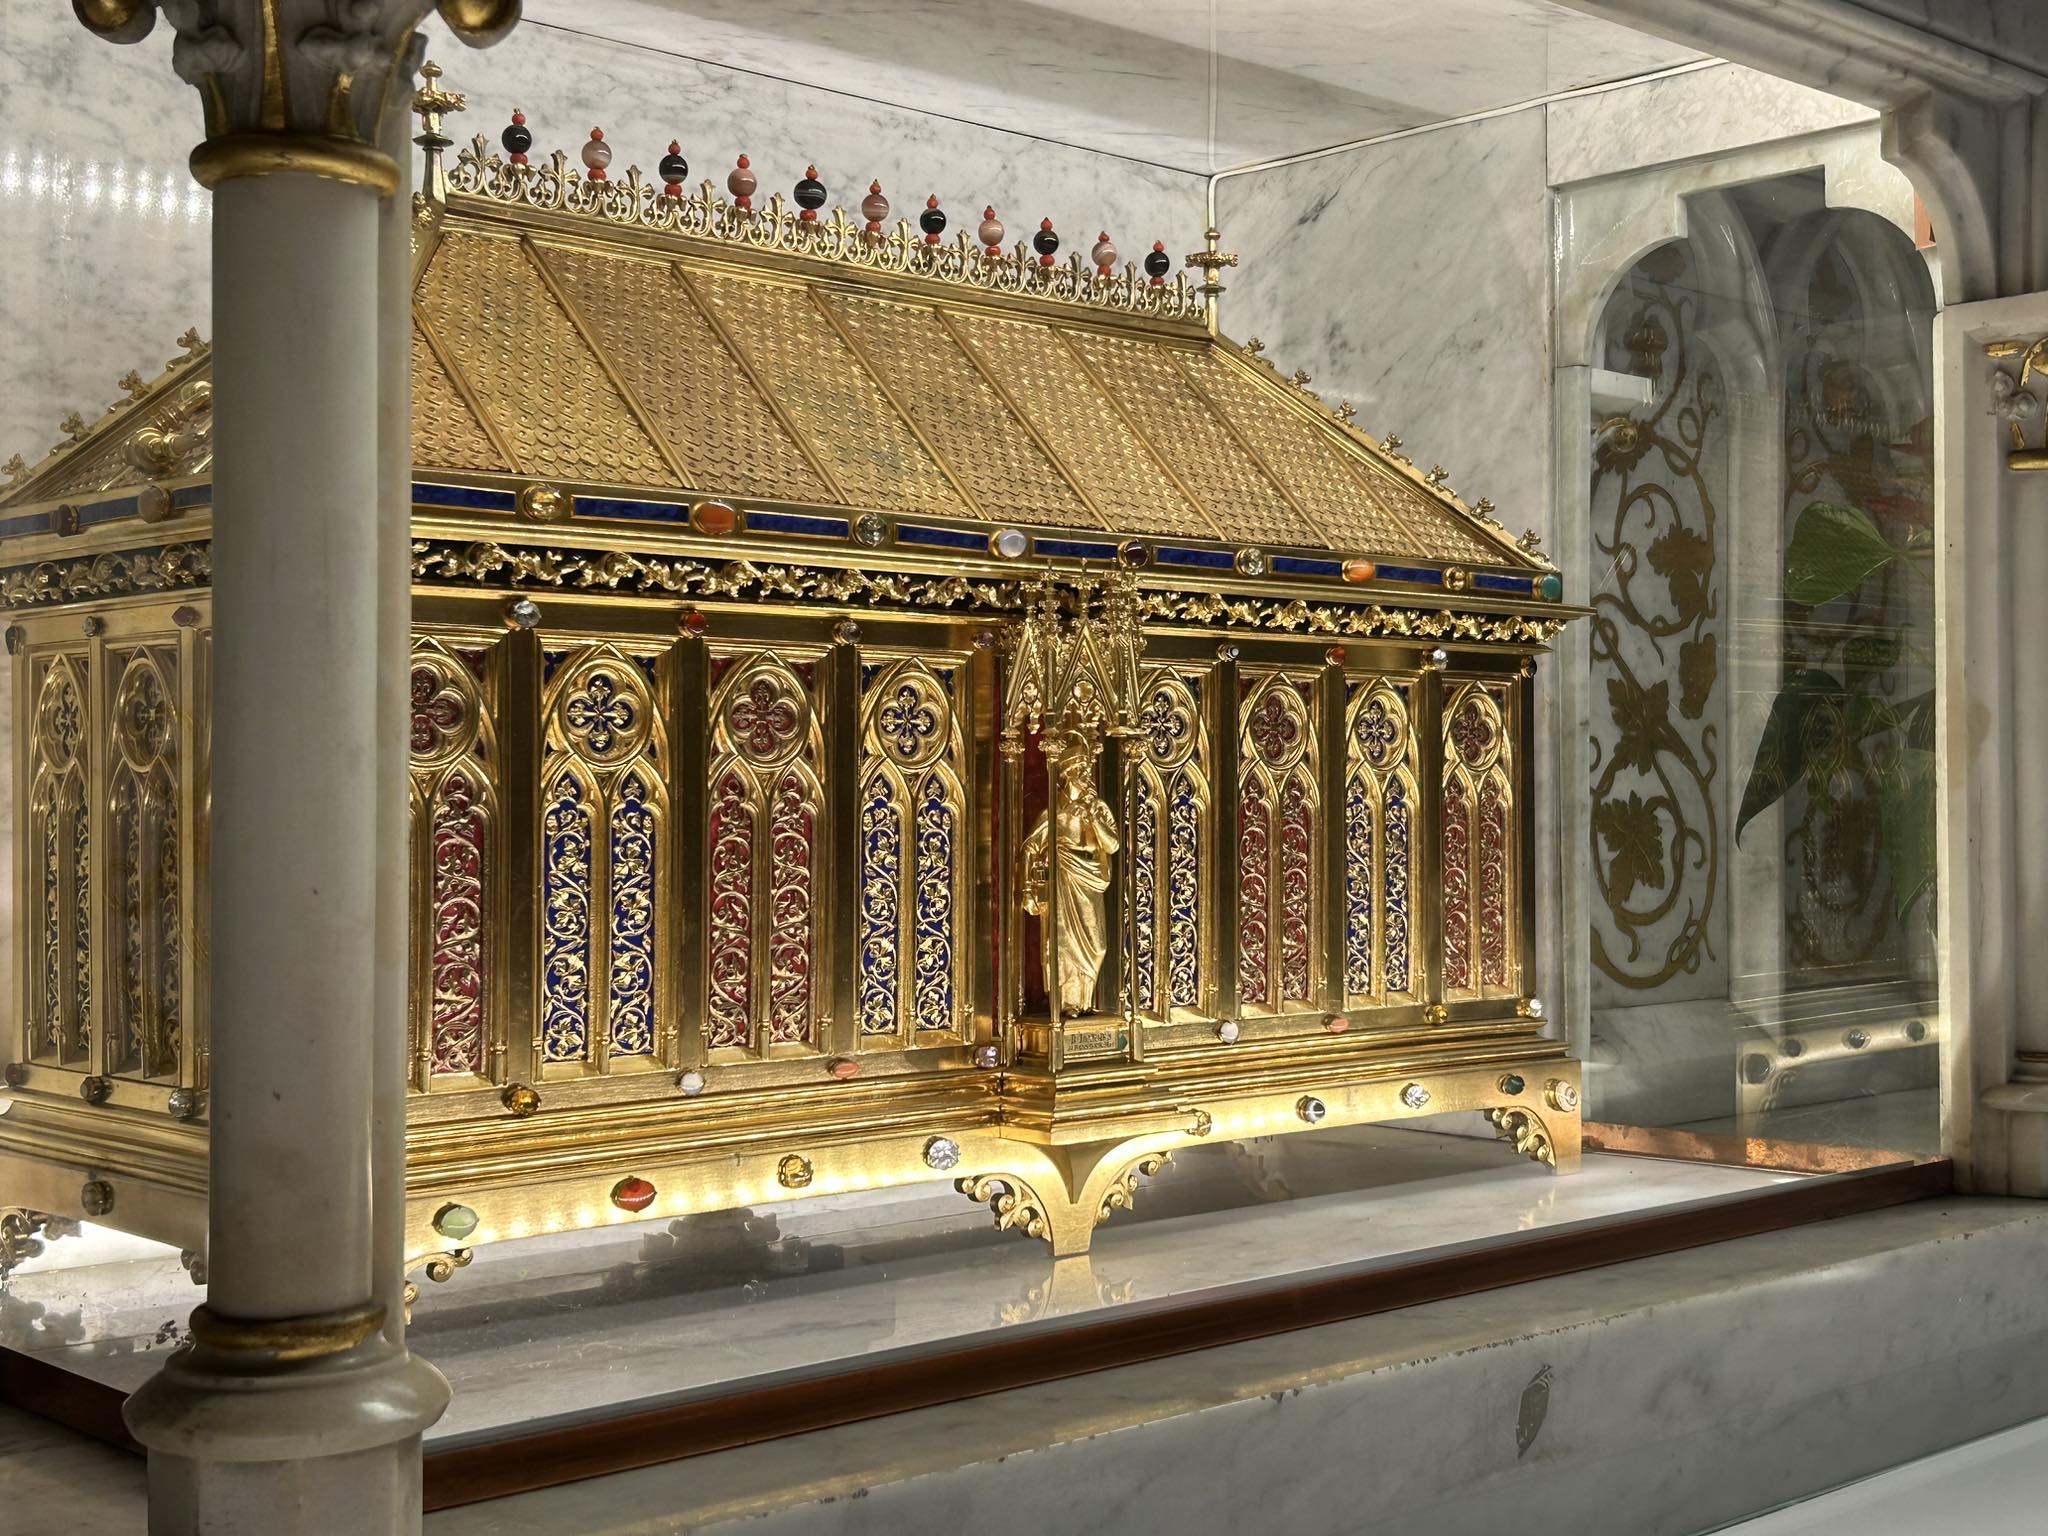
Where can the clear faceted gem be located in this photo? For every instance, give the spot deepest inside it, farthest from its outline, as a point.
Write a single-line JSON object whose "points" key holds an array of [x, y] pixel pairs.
{"points": [[871, 530], [689, 1084], [1535, 1007], [1312, 1109], [524, 612], [942, 1152], [1227, 1031], [1415, 1095], [987, 1057], [182, 1103], [1251, 562]]}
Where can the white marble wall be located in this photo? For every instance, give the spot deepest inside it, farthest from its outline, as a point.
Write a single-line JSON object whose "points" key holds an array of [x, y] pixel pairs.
{"points": [[104, 235]]}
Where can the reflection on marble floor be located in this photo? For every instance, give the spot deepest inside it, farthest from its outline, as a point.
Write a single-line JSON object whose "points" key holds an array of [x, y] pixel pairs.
{"points": [[558, 1327]]}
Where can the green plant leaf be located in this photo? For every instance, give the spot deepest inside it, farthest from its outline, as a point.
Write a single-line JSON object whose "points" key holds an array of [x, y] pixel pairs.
{"points": [[1834, 549], [1781, 752], [1867, 656], [1907, 809]]}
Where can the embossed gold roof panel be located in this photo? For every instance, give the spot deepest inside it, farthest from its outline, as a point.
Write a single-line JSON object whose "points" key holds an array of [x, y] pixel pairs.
{"points": [[596, 335]]}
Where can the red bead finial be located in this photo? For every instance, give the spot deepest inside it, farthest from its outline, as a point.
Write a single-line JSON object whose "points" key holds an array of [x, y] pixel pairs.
{"points": [[991, 233], [741, 181], [1104, 255], [874, 208]]}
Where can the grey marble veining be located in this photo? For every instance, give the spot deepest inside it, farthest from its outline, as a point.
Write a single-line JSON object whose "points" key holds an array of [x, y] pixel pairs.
{"points": [[1410, 278], [1288, 75], [1685, 117], [104, 235]]}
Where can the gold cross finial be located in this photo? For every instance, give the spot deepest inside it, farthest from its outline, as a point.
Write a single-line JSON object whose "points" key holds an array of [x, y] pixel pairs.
{"points": [[430, 102], [1212, 258]]}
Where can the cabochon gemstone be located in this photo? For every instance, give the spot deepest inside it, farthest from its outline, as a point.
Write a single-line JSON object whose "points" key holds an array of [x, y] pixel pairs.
{"points": [[633, 1194], [455, 1221], [717, 518]]}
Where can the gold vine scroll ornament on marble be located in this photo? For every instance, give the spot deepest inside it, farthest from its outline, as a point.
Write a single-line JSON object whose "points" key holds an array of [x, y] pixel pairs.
{"points": [[1655, 460]]}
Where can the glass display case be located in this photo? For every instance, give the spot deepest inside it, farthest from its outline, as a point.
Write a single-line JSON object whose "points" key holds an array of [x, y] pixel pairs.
{"points": [[964, 823]]}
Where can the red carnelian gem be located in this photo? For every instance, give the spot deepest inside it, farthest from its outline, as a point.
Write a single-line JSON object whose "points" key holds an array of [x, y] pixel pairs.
{"points": [[632, 1194], [715, 518], [692, 622], [844, 1067]]}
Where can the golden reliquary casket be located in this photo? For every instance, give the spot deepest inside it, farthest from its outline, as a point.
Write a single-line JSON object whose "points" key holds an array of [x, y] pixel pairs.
{"points": [[883, 709]]}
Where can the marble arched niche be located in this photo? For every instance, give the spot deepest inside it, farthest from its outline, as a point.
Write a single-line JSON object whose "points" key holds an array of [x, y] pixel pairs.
{"points": [[1732, 348]]}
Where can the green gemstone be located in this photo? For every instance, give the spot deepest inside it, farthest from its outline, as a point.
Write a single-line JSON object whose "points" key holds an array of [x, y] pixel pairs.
{"points": [[1552, 587], [1512, 1083], [455, 1221]]}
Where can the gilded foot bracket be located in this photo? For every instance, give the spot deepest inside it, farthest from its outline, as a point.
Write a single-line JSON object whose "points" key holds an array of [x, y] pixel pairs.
{"points": [[24, 1234], [438, 1267], [1079, 1193], [1527, 1132]]}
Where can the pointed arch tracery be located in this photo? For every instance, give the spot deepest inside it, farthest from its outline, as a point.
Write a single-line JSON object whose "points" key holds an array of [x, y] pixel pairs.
{"points": [[764, 810], [1379, 822], [1279, 819], [1479, 943], [604, 840], [913, 841], [1169, 849]]}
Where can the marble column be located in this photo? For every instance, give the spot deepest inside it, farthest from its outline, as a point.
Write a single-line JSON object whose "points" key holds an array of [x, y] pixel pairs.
{"points": [[297, 1408]]}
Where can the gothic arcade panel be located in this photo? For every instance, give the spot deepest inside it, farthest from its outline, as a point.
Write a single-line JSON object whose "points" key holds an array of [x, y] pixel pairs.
{"points": [[1169, 852], [458, 847], [1381, 966], [764, 808], [1480, 945], [1279, 842], [914, 843], [603, 857]]}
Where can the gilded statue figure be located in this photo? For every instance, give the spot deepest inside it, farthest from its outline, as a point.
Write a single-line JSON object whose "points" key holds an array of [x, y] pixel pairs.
{"points": [[1086, 841]]}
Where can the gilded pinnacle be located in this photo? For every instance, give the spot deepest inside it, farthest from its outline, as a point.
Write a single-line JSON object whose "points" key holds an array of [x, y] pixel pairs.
{"points": [[16, 469], [72, 426], [131, 381]]}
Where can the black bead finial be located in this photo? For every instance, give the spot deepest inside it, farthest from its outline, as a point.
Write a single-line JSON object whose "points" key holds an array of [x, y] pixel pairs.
{"points": [[932, 221], [517, 138], [674, 168], [1158, 263], [1045, 242], [810, 195]]}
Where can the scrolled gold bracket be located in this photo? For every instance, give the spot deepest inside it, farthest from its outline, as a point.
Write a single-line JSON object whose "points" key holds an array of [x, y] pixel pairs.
{"points": [[1123, 1189], [437, 1267], [1526, 1131], [1014, 1203]]}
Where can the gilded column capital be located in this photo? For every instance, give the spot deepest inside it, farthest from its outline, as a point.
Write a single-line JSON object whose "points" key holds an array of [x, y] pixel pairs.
{"points": [[297, 85]]}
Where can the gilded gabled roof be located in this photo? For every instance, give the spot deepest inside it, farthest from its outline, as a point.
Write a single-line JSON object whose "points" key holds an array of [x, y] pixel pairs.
{"points": [[607, 336], [598, 331]]}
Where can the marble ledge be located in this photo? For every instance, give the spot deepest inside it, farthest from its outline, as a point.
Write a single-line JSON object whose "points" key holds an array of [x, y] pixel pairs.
{"points": [[1783, 1365]]}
